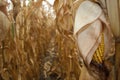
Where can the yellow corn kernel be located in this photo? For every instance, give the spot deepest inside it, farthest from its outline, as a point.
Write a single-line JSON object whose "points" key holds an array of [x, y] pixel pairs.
{"points": [[95, 57], [99, 53], [98, 56]]}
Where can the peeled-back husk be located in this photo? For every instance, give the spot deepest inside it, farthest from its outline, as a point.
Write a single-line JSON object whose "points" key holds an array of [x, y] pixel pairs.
{"points": [[89, 24]]}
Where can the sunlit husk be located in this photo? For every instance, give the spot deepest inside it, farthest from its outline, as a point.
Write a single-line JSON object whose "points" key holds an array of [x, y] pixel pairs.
{"points": [[89, 23]]}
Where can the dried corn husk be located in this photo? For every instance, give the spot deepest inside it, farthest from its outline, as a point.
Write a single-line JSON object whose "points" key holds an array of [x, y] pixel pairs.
{"points": [[86, 14], [89, 24], [3, 3], [4, 25]]}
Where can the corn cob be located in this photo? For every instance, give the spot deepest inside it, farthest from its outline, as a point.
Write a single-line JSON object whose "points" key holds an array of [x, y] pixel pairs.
{"points": [[99, 53], [95, 57]]}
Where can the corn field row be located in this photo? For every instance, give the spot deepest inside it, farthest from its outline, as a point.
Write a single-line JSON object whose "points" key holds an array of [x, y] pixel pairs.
{"points": [[40, 44]]}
